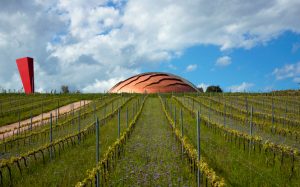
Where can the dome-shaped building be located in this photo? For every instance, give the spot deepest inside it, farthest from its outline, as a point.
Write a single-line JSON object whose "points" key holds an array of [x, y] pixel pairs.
{"points": [[154, 82]]}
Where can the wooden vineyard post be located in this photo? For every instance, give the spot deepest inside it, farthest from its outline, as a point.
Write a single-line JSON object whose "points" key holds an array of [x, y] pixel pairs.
{"points": [[198, 147], [50, 135], [119, 123], [126, 117], [182, 134], [112, 106], [97, 151], [79, 126]]}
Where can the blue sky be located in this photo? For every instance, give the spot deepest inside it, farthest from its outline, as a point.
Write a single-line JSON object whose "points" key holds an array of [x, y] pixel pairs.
{"points": [[92, 45], [253, 66]]}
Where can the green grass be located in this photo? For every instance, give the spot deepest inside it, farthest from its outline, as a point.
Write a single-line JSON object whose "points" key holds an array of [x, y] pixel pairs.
{"points": [[238, 167], [10, 108], [70, 166], [152, 156], [22, 146]]}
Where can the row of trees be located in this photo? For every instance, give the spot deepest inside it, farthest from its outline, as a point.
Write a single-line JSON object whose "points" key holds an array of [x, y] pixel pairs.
{"points": [[211, 89]]}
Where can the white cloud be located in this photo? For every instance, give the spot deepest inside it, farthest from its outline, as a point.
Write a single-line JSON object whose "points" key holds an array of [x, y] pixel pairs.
{"points": [[241, 88], [287, 71], [191, 67], [297, 80], [101, 86], [203, 85], [223, 61], [76, 43]]}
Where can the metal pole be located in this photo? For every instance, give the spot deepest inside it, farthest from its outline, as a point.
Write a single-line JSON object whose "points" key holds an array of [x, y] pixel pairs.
{"points": [[198, 147], [251, 124], [209, 111], [97, 151], [50, 135], [94, 110], [79, 126], [272, 112], [42, 122], [182, 134]]}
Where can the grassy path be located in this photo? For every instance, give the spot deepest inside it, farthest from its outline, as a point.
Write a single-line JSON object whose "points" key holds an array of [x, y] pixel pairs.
{"points": [[152, 156]]}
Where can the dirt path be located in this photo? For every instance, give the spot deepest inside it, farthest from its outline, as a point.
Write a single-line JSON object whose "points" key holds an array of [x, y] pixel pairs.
{"points": [[37, 120], [152, 155]]}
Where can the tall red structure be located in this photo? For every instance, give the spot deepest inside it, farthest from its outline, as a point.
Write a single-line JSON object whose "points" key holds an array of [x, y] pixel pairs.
{"points": [[25, 66]]}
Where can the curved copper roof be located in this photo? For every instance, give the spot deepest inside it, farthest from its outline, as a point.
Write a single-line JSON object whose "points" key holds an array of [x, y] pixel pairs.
{"points": [[154, 82]]}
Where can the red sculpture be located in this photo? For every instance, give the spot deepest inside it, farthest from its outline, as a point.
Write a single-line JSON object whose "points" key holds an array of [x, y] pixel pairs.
{"points": [[25, 66]]}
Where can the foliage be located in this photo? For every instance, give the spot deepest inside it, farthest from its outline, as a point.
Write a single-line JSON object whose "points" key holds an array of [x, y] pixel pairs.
{"points": [[214, 89]]}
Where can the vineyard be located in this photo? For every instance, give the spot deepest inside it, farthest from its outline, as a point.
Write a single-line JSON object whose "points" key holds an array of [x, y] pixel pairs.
{"points": [[150, 140]]}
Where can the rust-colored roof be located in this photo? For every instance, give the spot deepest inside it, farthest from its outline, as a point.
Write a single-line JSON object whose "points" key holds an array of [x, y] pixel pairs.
{"points": [[153, 82]]}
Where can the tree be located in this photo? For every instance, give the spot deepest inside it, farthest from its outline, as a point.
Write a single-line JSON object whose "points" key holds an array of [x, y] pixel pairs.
{"points": [[200, 89], [214, 89], [64, 89]]}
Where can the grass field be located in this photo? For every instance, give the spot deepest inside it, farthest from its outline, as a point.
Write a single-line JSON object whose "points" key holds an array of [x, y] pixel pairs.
{"points": [[245, 140]]}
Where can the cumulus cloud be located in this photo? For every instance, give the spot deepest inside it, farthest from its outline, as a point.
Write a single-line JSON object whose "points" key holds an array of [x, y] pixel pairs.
{"points": [[287, 71], [297, 80], [241, 88], [223, 61], [101, 86], [191, 67], [76, 43]]}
